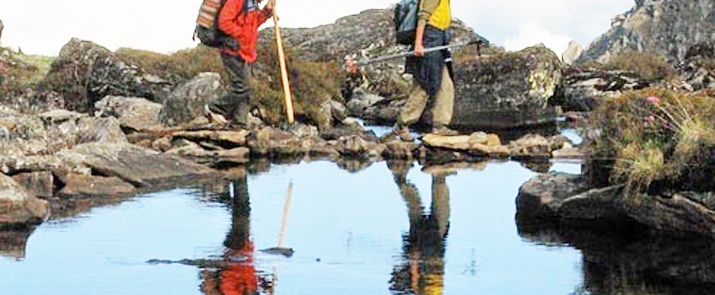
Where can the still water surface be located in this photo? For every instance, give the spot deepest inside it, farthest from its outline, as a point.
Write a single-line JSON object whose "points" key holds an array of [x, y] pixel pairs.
{"points": [[351, 233]]}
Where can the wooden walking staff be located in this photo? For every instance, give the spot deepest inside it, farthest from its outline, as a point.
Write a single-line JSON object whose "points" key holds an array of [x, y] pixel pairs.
{"points": [[284, 72]]}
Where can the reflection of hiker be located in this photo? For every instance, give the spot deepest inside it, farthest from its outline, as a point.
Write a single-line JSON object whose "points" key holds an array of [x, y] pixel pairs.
{"points": [[238, 275], [240, 20], [432, 82], [423, 269]]}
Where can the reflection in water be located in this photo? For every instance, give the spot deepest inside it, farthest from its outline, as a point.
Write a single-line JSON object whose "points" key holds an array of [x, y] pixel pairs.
{"points": [[422, 271], [237, 274], [14, 241], [618, 261]]}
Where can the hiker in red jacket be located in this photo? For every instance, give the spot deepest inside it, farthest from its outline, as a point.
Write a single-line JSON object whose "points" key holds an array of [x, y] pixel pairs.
{"points": [[240, 20]]}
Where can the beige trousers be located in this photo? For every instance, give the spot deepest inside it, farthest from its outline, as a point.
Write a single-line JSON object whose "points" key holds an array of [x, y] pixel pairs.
{"points": [[442, 107]]}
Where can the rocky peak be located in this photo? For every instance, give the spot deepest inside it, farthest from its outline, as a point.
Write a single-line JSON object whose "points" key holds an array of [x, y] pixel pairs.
{"points": [[668, 27]]}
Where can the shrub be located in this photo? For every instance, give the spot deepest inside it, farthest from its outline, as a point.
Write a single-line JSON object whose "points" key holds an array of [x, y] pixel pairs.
{"points": [[183, 65], [649, 66], [657, 137]]}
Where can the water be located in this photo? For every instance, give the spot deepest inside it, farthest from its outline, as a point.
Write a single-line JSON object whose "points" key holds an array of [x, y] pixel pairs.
{"points": [[386, 229], [346, 229]]}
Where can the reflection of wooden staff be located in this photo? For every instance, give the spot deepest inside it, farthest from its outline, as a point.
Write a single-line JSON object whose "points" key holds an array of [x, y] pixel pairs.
{"points": [[284, 221], [284, 72], [281, 235]]}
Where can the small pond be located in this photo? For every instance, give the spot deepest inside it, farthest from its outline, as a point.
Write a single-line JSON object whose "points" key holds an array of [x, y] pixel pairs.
{"points": [[385, 229]]}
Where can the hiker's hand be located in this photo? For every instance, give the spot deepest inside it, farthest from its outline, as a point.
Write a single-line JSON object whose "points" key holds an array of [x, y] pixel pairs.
{"points": [[419, 50], [271, 4]]}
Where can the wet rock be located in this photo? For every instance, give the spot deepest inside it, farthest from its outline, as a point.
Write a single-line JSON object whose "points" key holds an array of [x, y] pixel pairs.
{"points": [[39, 184], [357, 147], [560, 196], [536, 146], [476, 143], [133, 112], [507, 90], [78, 185], [274, 142], [139, 166], [18, 208], [189, 149]]}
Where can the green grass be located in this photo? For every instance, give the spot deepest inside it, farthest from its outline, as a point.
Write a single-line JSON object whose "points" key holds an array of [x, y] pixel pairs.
{"points": [[659, 136]]}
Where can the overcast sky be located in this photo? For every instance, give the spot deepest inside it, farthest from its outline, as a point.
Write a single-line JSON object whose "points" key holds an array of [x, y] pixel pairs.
{"points": [[44, 26]]}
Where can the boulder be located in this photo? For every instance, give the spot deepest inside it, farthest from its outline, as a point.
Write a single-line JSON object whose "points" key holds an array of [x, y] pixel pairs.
{"points": [[18, 208], [134, 113], [79, 185], [507, 90], [85, 72], [142, 167], [39, 184], [186, 102]]}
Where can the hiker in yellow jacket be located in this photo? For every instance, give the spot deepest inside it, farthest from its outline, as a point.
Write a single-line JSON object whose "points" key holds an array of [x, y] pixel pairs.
{"points": [[433, 84]]}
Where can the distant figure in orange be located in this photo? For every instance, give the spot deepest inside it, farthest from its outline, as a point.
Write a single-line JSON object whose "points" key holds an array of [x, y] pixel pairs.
{"points": [[422, 271], [237, 273]]}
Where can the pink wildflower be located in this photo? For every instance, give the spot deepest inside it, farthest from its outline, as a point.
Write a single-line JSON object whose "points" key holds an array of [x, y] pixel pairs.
{"points": [[650, 119], [653, 99]]}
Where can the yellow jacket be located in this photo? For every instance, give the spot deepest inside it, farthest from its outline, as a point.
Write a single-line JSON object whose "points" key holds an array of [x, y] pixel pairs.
{"points": [[436, 13]]}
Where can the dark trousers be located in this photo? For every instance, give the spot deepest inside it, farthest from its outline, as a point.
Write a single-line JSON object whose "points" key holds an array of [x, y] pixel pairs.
{"points": [[235, 104], [427, 70]]}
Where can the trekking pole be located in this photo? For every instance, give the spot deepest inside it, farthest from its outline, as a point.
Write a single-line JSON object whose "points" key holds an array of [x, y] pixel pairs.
{"points": [[366, 61], [284, 72]]}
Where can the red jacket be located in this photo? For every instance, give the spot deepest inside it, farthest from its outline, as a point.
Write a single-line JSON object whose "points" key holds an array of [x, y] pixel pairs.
{"points": [[242, 26]]}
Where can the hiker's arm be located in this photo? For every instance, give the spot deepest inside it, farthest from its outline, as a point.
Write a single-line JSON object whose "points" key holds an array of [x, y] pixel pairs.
{"points": [[419, 35], [426, 9], [230, 12]]}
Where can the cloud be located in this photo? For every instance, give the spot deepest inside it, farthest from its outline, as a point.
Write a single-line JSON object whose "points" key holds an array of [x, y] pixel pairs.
{"points": [[533, 33]]}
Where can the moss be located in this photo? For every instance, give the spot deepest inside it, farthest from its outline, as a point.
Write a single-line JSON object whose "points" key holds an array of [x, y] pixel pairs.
{"points": [[184, 64], [648, 65], [18, 71]]}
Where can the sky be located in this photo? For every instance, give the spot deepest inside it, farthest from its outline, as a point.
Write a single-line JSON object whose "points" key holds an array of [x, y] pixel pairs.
{"points": [[43, 26]]}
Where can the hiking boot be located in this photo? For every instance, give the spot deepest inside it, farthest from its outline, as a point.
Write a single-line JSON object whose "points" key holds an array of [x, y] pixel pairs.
{"points": [[444, 131], [403, 133], [213, 117]]}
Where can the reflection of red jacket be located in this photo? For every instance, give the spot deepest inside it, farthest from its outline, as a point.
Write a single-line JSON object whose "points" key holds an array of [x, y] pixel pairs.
{"points": [[242, 26], [240, 278]]}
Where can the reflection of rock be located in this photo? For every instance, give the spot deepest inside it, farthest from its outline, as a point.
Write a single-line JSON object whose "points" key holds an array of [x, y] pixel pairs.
{"points": [[632, 263], [14, 241]]}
